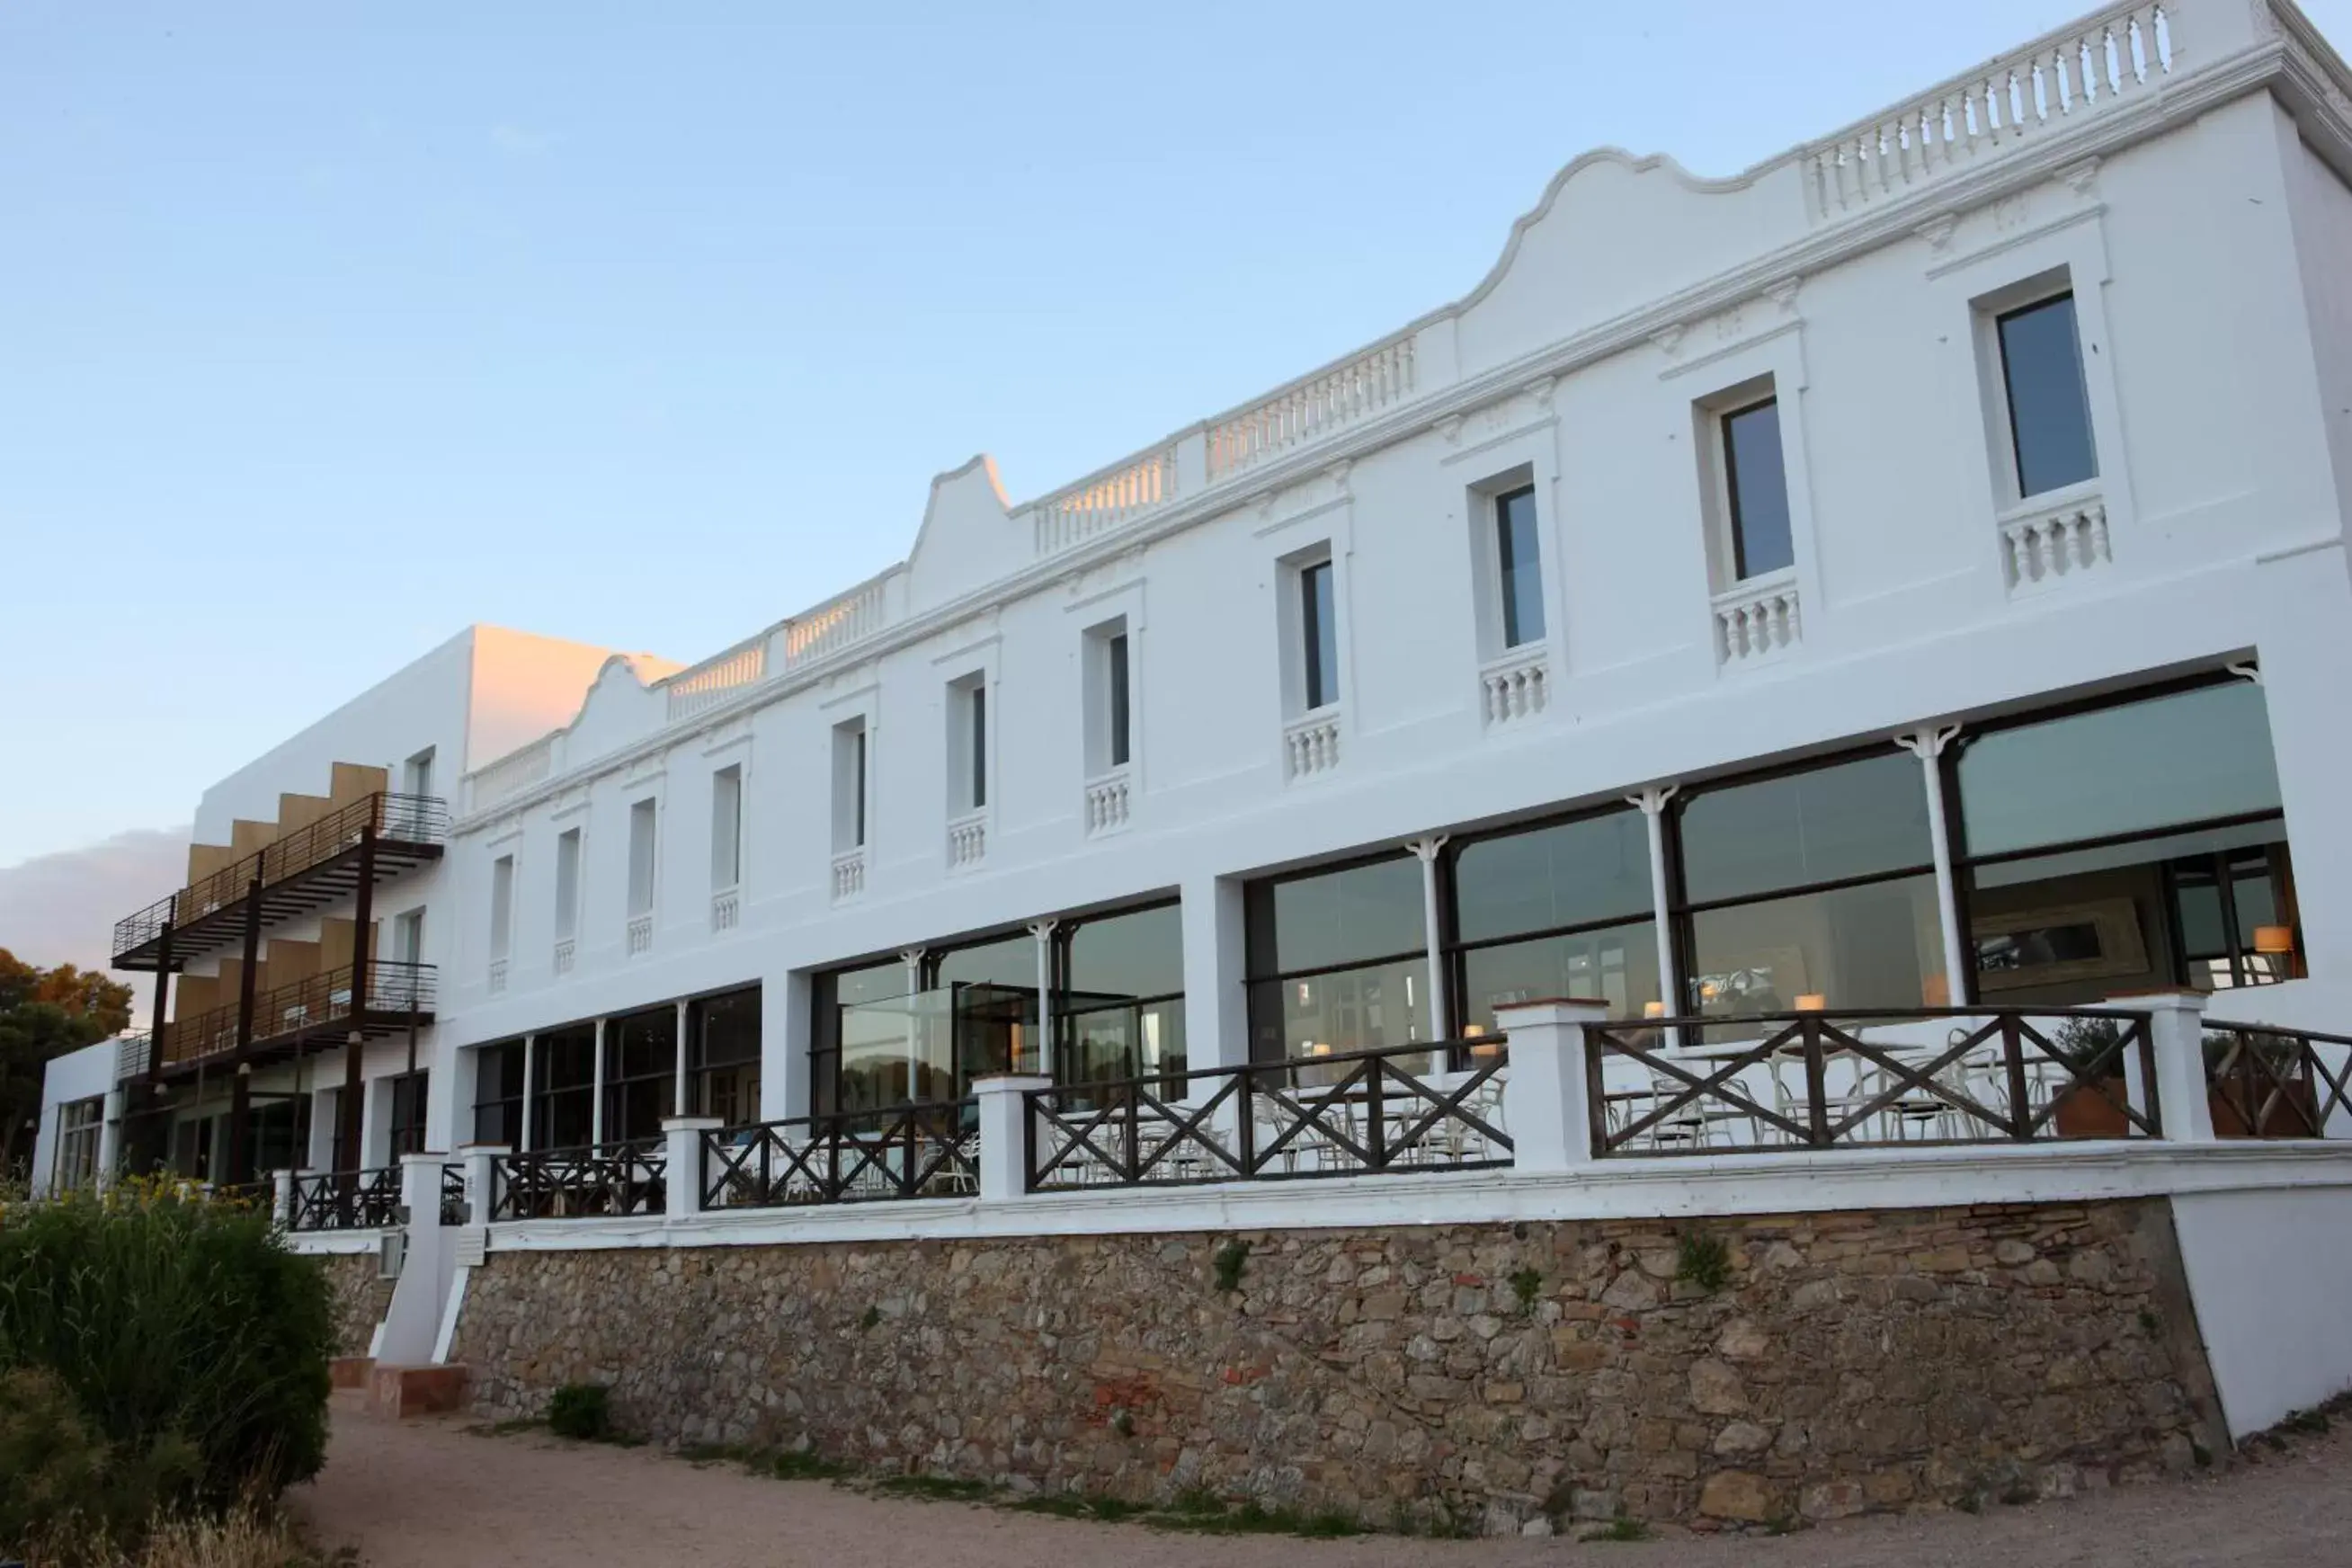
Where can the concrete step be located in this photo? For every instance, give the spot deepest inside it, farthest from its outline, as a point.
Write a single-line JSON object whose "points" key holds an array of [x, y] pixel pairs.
{"points": [[350, 1371], [395, 1392]]}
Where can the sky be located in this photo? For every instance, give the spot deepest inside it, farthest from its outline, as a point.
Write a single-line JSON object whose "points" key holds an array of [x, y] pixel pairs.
{"points": [[327, 329]]}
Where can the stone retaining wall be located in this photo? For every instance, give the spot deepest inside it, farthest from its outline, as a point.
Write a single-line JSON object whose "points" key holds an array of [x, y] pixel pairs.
{"points": [[1480, 1373], [360, 1298]]}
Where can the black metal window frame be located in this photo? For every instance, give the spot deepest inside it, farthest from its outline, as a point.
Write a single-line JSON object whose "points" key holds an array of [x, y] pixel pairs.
{"points": [[506, 1107], [1258, 938], [700, 1069], [578, 1098], [618, 1085], [406, 1105]]}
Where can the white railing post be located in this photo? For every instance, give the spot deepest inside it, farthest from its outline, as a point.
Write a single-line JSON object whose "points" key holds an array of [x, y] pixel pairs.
{"points": [[682, 1172], [481, 1178], [282, 1202], [420, 1190], [1547, 1106], [1004, 1134], [2176, 1031]]}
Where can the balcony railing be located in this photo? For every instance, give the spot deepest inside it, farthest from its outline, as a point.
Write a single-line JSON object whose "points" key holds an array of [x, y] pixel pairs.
{"points": [[350, 1200], [2278, 1083], [304, 1007], [614, 1180], [1850, 1080], [907, 1151], [407, 827], [1409, 1108]]}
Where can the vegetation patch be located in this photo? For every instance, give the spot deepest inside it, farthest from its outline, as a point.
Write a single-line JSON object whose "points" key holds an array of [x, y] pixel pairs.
{"points": [[1702, 1259], [934, 1489], [581, 1412], [1229, 1262], [1527, 1284]]}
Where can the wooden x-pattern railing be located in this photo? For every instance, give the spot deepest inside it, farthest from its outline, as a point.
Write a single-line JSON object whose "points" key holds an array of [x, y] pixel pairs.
{"points": [[562, 1183], [347, 1200], [2095, 1058], [910, 1150], [1373, 1115], [2276, 1083]]}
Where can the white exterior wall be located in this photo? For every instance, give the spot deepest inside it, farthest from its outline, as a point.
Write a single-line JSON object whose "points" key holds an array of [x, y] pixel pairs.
{"points": [[84, 1074], [2226, 524], [2270, 1284]]}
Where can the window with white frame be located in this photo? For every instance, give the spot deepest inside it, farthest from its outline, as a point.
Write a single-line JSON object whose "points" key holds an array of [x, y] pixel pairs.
{"points": [[851, 784], [416, 774], [1747, 499], [642, 828], [1110, 697], [567, 884], [727, 828], [968, 743], [2045, 405], [1312, 631], [408, 933], [79, 1123], [502, 885]]}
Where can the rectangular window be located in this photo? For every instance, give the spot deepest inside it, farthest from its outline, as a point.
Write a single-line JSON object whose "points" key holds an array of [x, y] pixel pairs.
{"points": [[1318, 635], [978, 702], [1115, 654], [78, 1122], [640, 1075], [416, 774], [723, 1060], [1519, 566], [1119, 1005], [2049, 406], [567, 885], [641, 857], [1337, 961], [407, 1095], [726, 828], [849, 786], [408, 937], [502, 873], [562, 1114], [1756, 490], [497, 1094], [857, 785]]}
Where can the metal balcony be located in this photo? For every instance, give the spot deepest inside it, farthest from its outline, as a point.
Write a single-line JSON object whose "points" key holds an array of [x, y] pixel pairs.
{"points": [[310, 1014]]}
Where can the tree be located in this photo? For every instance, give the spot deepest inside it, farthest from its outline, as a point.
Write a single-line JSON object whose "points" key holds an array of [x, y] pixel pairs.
{"points": [[43, 1014]]}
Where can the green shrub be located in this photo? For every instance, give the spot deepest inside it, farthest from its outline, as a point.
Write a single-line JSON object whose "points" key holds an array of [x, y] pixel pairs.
{"points": [[1702, 1261], [64, 1491], [582, 1411], [1228, 1263], [189, 1338]]}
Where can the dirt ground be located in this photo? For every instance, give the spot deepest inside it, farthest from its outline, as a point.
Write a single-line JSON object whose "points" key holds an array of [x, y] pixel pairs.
{"points": [[432, 1495]]}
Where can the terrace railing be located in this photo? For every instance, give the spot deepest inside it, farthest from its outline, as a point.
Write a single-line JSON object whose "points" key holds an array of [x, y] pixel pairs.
{"points": [[347, 1200], [569, 1183], [916, 1151], [2267, 1082], [1412, 1107], [1846, 1080], [315, 1001], [456, 1208]]}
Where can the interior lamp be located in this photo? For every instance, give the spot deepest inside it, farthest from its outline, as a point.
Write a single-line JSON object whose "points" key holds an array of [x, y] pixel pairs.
{"points": [[1812, 1001]]}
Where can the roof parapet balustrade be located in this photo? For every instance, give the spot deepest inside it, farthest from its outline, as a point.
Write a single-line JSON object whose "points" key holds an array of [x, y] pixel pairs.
{"points": [[318, 1010], [307, 868]]}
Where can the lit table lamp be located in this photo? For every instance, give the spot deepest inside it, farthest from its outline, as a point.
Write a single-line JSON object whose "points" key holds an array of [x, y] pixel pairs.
{"points": [[2274, 946], [1813, 1002]]}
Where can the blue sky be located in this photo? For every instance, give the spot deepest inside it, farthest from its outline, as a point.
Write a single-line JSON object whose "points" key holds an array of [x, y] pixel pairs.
{"points": [[330, 329]]}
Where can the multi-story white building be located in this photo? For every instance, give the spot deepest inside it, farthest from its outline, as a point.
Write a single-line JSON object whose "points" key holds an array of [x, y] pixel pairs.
{"points": [[1908, 575]]}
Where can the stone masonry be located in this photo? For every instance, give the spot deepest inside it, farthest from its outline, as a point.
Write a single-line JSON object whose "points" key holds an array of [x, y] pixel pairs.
{"points": [[359, 1297], [1478, 1374]]}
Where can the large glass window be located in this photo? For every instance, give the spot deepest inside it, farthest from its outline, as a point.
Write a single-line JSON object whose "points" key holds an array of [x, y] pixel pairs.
{"points": [[564, 1069], [1120, 1010], [79, 1124], [853, 1063], [1519, 566], [1338, 962], [2049, 411], [640, 1074], [2135, 844], [723, 1061], [406, 1095], [1812, 886], [281, 1133], [1756, 485], [498, 1094], [1558, 910]]}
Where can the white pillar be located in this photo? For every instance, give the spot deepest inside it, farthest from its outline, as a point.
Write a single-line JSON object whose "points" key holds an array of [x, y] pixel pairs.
{"points": [[678, 1087], [1216, 1003], [530, 1060], [1928, 744], [109, 1138], [912, 957], [282, 1201], [481, 1178], [1652, 802], [596, 1091], [1004, 1134], [1044, 931], [1426, 851], [1547, 1104], [2176, 1028], [683, 1173]]}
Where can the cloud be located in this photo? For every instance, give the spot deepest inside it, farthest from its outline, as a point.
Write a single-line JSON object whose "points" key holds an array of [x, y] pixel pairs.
{"points": [[521, 141], [61, 908]]}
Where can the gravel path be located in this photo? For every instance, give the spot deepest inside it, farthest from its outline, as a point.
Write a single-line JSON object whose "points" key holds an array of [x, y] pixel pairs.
{"points": [[430, 1495]]}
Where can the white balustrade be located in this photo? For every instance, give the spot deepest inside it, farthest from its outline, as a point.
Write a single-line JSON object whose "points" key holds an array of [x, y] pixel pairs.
{"points": [[1310, 745], [563, 948], [1516, 686], [848, 874], [1109, 500], [715, 679], [725, 908], [835, 624], [968, 840], [2051, 542], [2061, 77], [513, 773], [641, 934], [1307, 410], [1106, 803], [1755, 620], [497, 975]]}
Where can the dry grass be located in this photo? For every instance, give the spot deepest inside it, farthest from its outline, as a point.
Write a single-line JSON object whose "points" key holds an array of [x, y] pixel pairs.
{"points": [[244, 1539]]}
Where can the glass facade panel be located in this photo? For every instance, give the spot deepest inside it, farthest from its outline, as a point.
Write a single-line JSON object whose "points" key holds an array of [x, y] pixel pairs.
{"points": [[1128, 955], [1372, 911], [1854, 820], [2170, 760], [1122, 1041], [2049, 411], [407, 1095], [640, 1074], [1616, 964], [1518, 556], [497, 1094], [565, 1068], [1346, 1010], [1572, 873], [723, 1056], [79, 1125], [1879, 945], [1757, 484]]}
